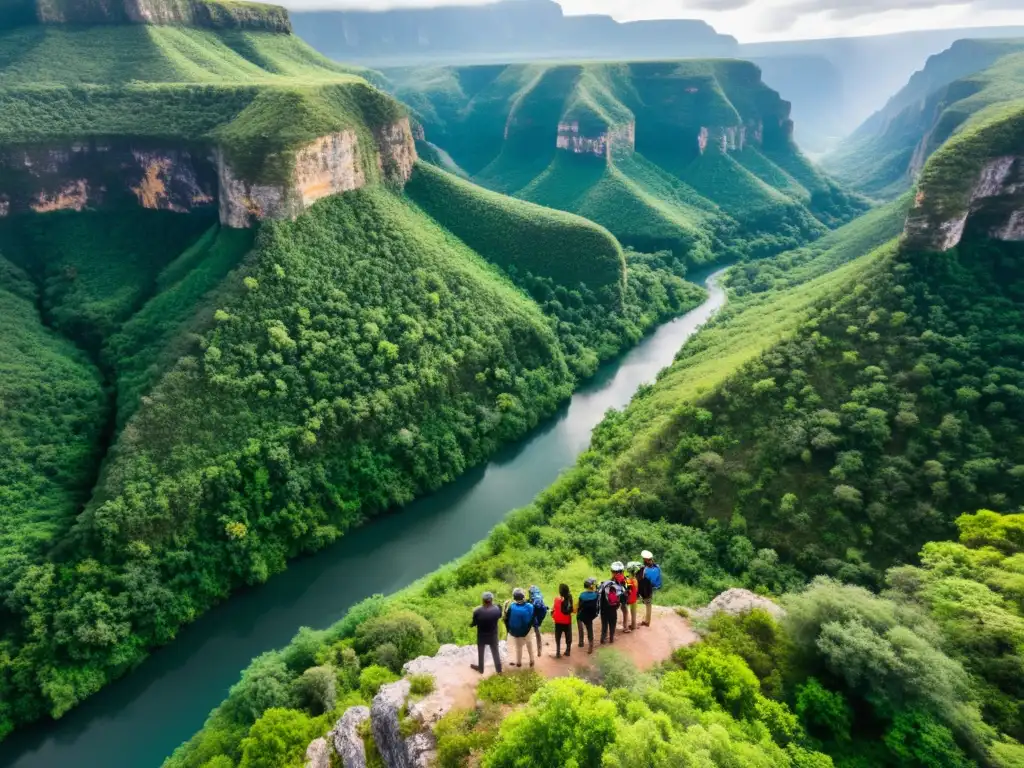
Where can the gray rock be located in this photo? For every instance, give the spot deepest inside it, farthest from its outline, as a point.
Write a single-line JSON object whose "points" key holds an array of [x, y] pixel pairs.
{"points": [[348, 744], [421, 749], [385, 724], [318, 754], [735, 602]]}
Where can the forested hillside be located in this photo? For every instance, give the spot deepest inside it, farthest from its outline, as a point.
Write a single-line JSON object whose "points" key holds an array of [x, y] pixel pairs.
{"points": [[692, 156], [188, 404], [835, 419], [884, 156]]}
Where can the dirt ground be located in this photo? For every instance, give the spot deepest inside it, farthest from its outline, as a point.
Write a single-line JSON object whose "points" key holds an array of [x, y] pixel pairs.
{"points": [[646, 646]]}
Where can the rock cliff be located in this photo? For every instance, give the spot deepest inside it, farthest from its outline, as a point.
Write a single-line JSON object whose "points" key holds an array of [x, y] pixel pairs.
{"points": [[99, 174], [620, 138], [995, 204]]}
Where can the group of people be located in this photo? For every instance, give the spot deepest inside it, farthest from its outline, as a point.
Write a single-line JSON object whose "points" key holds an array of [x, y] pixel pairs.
{"points": [[523, 615]]}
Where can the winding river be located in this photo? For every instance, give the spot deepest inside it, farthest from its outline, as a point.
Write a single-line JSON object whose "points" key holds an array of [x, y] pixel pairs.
{"points": [[138, 721]]}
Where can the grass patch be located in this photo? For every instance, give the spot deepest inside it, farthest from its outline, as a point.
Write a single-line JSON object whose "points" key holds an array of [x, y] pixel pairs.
{"points": [[510, 687]]}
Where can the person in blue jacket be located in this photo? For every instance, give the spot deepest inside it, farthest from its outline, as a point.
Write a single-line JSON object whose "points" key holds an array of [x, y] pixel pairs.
{"points": [[587, 610], [519, 620], [649, 582]]}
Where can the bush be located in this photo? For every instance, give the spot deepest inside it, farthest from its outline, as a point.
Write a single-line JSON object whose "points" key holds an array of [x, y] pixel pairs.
{"points": [[421, 685], [316, 689], [372, 678], [279, 738], [408, 632], [387, 656], [513, 688]]}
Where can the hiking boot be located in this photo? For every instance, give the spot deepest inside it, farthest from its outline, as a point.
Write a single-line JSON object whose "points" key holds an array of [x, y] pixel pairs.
{"points": [[558, 655], [475, 668], [531, 665], [590, 650], [567, 654]]}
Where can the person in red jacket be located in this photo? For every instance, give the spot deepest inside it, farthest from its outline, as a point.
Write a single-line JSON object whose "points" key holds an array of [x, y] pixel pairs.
{"points": [[620, 578], [632, 593], [562, 615]]}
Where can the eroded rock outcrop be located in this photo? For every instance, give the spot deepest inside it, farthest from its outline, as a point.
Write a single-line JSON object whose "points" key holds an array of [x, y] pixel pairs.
{"points": [[97, 174], [386, 726], [621, 138], [996, 198], [730, 138], [346, 739]]}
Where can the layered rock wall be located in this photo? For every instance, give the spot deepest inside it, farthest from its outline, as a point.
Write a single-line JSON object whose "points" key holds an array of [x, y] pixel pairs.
{"points": [[620, 138], [96, 175], [996, 199], [729, 138]]}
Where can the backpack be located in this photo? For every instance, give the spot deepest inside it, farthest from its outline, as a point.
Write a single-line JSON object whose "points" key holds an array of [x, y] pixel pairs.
{"points": [[519, 619], [611, 594], [653, 574], [540, 611]]}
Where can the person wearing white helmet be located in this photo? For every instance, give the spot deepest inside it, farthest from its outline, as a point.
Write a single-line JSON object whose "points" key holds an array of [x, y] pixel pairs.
{"points": [[648, 582], [612, 596]]}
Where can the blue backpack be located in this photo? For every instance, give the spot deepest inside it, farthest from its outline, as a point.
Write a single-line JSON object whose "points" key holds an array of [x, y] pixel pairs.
{"points": [[520, 619], [540, 611], [653, 574]]}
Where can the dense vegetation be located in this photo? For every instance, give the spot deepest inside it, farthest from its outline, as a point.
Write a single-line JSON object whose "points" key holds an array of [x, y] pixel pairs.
{"points": [[747, 193], [840, 414], [955, 92], [356, 358]]}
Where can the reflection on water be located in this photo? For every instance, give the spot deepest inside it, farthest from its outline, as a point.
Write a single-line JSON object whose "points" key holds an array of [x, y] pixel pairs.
{"points": [[138, 721]]}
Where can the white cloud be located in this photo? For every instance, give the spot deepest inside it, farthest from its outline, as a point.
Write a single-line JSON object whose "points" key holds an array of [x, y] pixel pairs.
{"points": [[752, 20]]}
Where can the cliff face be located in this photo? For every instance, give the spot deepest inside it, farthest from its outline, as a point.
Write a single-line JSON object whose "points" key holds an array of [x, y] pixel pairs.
{"points": [[615, 139], [995, 204], [102, 175], [198, 13]]}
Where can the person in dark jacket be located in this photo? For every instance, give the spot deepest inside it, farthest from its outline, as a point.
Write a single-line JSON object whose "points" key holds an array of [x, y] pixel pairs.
{"points": [[587, 610], [612, 596], [485, 619], [649, 582]]}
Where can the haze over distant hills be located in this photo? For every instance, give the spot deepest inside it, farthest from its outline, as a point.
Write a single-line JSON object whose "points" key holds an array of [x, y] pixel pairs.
{"points": [[834, 84]]}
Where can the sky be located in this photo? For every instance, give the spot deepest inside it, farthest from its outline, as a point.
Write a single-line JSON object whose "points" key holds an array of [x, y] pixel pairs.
{"points": [[753, 20]]}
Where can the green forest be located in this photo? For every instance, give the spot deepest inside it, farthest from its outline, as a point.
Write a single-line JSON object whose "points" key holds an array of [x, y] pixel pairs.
{"points": [[186, 408]]}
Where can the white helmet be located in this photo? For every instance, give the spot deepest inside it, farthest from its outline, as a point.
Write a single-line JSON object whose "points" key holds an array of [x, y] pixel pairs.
{"points": [[647, 555], [618, 567]]}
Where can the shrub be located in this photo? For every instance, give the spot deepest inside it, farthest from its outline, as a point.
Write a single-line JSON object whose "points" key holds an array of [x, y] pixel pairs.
{"points": [[514, 688], [410, 633], [316, 689], [372, 678], [421, 685], [387, 656], [279, 738]]}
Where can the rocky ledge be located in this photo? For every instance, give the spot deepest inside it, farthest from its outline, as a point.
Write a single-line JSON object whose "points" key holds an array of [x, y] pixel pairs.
{"points": [[344, 745], [620, 138]]}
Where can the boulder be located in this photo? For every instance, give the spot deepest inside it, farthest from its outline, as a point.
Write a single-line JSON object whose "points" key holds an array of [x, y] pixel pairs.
{"points": [[384, 722], [318, 754], [736, 602], [348, 744], [421, 749]]}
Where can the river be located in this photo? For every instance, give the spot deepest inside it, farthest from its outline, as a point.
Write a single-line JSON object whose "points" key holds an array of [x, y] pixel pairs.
{"points": [[136, 722]]}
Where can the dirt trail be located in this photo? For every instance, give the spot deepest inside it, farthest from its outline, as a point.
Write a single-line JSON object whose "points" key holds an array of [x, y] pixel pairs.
{"points": [[456, 683]]}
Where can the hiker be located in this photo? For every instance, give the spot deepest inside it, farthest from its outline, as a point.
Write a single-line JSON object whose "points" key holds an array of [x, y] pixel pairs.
{"points": [[562, 615], [587, 611], [611, 597], [620, 578], [519, 620], [485, 619], [649, 582], [540, 612], [632, 593]]}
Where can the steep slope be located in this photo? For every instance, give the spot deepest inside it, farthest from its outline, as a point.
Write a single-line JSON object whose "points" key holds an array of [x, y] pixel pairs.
{"points": [[884, 156], [696, 156]]}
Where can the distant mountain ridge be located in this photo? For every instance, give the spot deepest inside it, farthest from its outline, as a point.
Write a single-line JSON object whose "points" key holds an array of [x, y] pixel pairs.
{"points": [[884, 155], [504, 31]]}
